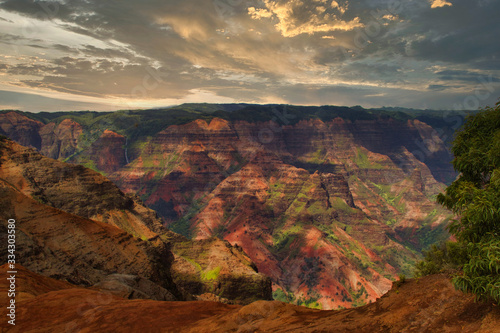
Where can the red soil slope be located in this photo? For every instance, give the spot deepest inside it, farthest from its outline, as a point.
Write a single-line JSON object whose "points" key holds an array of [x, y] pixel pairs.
{"points": [[430, 304]]}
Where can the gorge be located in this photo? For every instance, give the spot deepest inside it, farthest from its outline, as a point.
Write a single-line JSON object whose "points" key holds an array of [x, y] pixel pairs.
{"points": [[330, 203]]}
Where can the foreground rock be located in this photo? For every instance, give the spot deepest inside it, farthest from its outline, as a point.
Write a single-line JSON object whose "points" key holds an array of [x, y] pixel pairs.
{"points": [[430, 304], [81, 251], [216, 267]]}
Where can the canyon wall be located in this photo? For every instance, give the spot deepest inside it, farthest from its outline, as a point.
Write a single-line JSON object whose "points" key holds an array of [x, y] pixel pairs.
{"points": [[332, 208]]}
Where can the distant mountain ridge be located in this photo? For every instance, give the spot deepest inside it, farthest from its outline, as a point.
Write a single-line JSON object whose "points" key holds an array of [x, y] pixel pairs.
{"points": [[155, 120], [330, 202]]}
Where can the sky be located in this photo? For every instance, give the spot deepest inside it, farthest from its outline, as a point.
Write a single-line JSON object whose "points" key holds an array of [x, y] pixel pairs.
{"points": [[130, 54]]}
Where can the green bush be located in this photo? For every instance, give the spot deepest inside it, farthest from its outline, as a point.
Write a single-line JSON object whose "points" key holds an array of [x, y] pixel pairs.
{"points": [[445, 257]]}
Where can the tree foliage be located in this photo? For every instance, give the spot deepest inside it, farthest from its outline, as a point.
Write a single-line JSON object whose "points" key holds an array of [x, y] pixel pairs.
{"points": [[475, 198], [447, 257]]}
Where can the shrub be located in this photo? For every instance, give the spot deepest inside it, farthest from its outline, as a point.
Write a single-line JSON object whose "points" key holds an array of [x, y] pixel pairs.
{"points": [[445, 257]]}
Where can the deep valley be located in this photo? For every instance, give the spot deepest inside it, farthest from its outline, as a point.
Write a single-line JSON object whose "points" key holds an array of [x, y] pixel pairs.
{"points": [[331, 203]]}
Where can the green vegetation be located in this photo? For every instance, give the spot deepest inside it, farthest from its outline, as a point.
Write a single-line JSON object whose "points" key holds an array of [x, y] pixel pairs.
{"points": [[393, 200], [358, 297], [363, 162], [90, 164], [282, 240], [219, 231], [404, 261], [283, 296], [311, 301], [194, 264], [317, 208], [428, 235], [340, 205], [211, 274], [183, 225], [329, 232], [318, 156], [445, 257], [475, 198], [401, 280]]}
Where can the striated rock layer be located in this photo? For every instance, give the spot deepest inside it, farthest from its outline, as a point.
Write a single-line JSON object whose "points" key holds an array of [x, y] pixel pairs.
{"points": [[331, 210], [75, 225], [22, 129], [60, 141], [328, 219], [67, 247]]}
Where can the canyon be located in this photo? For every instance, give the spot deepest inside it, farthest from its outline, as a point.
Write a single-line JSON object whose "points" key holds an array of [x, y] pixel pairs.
{"points": [[330, 203]]}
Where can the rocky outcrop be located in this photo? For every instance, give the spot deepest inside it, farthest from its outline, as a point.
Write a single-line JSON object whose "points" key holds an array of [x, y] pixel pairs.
{"points": [[180, 165], [22, 129], [106, 154], [60, 141], [216, 267], [76, 190], [298, 236], [64, 246], [427, 305], [133, 287], [317, 206]]}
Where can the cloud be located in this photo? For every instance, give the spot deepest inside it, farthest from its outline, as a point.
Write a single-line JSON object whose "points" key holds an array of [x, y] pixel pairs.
{"points": [[32, 102], [298, 17], [253, 51], [439, 87], [467, 76], [259, 13], [440, 3]]}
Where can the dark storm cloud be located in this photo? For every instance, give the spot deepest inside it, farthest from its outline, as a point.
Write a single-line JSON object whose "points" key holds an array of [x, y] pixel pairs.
{"points": [[461, 33], [437, 87], [373, 72], [37, 46], [42, 10], [10, 38], [463, 75], [441, 87], [64, 48]]}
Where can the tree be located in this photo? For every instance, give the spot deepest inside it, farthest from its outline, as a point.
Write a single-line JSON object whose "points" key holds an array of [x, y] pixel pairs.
{"points": [[475, 197]]}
